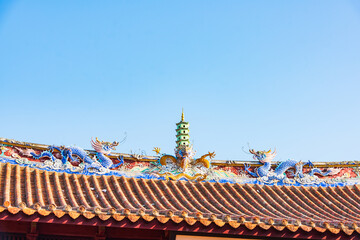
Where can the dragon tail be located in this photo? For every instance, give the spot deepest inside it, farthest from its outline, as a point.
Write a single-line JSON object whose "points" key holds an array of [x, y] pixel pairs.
{"points": [[318, 171], [43, 154], [121, 159]]}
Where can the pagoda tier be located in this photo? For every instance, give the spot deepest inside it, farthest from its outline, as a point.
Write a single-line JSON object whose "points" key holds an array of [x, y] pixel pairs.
{"points": [[182, 133]]}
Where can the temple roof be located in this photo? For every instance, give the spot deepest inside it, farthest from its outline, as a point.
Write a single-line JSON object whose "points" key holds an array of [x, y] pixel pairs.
{"points": [[72, 182], [281, 207]]}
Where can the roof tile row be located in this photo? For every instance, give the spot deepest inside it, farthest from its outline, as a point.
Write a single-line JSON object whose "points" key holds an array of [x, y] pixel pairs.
{"points": [[320, 208]]}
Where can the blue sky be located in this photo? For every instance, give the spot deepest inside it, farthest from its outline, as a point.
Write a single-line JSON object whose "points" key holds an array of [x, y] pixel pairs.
{"points": [[282, 74]]}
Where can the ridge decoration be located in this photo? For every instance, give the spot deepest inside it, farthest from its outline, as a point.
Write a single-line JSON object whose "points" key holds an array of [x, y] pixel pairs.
{"points": [[73, 158], [265, 174], [183, 164]]}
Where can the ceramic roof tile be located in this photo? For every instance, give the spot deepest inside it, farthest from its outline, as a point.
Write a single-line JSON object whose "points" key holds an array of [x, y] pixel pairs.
{"points": [[281, 207]]}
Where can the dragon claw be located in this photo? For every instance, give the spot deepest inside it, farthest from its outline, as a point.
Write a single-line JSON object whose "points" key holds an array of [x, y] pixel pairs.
{"points": [[121, 159], [212, 155], [51, 148], [156, 150], [246, 166], [309, 163]]}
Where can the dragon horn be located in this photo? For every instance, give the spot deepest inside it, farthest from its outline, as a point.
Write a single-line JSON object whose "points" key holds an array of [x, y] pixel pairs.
{"points": [[97, 140], [93, 143], [252, 151], [269, 151]]}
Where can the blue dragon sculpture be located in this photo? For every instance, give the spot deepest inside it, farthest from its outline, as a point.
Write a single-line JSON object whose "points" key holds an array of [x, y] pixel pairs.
{"points": [[265, 157], [100, 161]]}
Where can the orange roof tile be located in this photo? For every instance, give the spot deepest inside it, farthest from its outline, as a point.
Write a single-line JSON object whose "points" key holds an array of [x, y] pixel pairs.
{"points": [[321, 208]]}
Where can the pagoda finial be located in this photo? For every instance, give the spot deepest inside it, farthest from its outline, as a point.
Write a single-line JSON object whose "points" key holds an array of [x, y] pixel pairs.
{"points": [[182, 132]]}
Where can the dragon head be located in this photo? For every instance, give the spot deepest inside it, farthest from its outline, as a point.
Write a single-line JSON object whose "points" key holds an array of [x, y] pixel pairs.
{"points": [[184, 152], [263, 156], [184, 155], [103, 147]]}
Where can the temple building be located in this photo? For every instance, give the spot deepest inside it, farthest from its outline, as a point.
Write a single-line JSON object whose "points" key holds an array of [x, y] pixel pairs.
{"points": [[65, 192]]}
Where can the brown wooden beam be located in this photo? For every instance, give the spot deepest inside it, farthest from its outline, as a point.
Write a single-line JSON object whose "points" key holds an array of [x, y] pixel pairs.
{"points": [[32, 232], [147, 230], [100, 235]]}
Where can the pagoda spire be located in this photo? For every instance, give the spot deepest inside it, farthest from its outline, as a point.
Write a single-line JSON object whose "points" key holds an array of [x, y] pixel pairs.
{"points": [[182, 133]]}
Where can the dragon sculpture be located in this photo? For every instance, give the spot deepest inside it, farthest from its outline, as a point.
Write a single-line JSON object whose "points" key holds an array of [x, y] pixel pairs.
{"points": [[184, 161], [265, 157], [99, 162]]}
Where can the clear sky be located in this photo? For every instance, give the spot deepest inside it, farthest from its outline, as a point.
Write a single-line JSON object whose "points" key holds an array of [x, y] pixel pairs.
{"points": [[282, 74]]}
